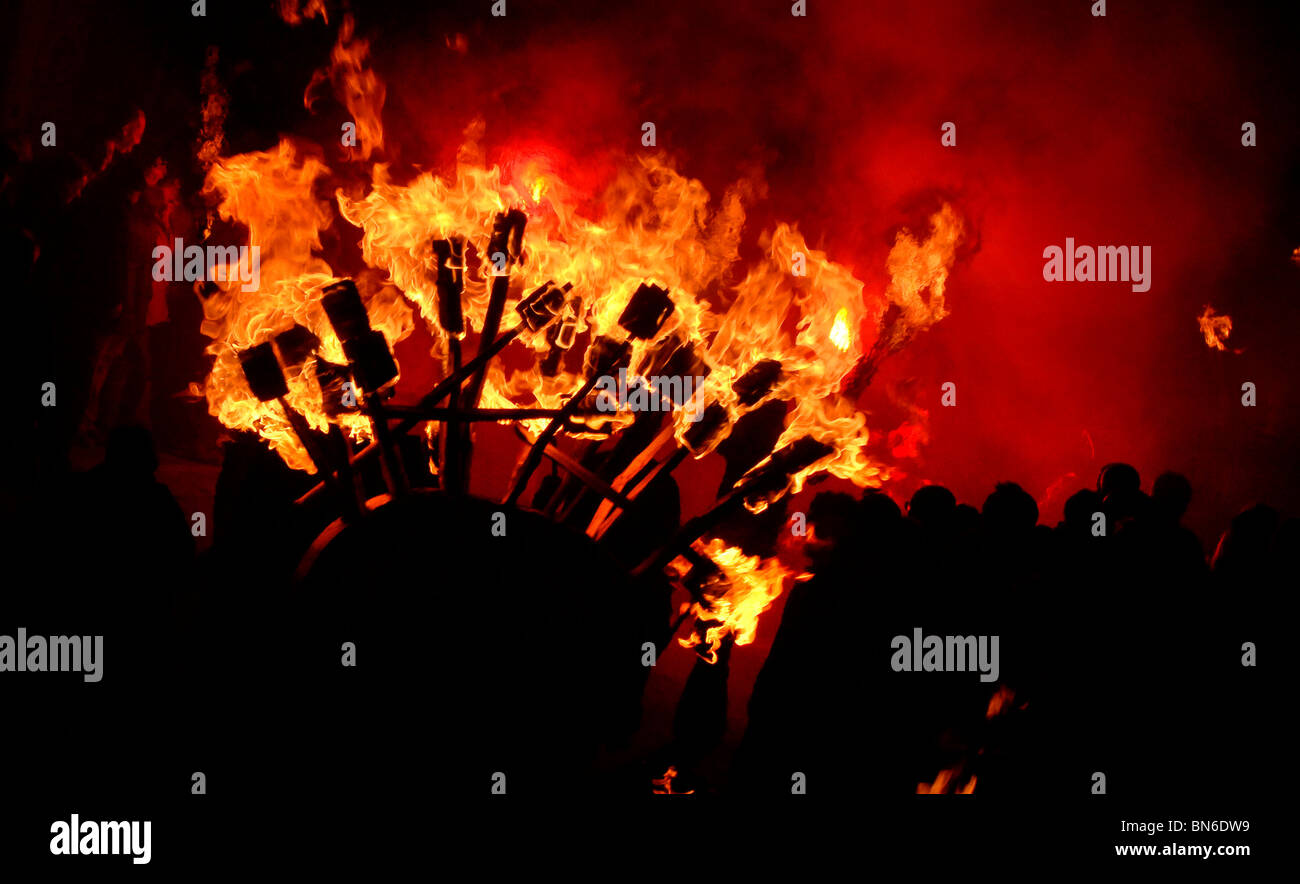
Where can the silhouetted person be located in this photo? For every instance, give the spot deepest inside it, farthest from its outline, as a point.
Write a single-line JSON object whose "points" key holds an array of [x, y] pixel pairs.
{"points": [[1118, 478], [140, 549], [1161, 548], [1081, 550], [1245, 550], [966, 526], [802, 715], [933, 507], [1080, 510], [1010, 511], [134, 558], [931, 511], [1007, 520], [1120, 487]]}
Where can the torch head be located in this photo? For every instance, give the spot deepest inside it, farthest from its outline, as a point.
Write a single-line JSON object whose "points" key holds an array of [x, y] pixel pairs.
{"points": [[262, 371], [346, 312], [646, 312], [450, 280]]}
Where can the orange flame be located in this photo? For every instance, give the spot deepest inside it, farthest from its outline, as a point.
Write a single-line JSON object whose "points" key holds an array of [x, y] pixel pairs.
{"points": [[945, 782], [1000, 701], [650, 224], [747, 587], [664, 785], [216, 102], [295, 12], [1215, 328], [271, 194], [359, 88]]}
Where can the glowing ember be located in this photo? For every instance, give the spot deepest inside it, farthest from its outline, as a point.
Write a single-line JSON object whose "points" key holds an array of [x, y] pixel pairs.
{"points": [[664, 785], [945, 784], [946, 781], [1215, 328], [1000, 701]]}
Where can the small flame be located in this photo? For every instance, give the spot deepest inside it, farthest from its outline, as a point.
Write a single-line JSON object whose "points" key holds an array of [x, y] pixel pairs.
{"points": [[945, 781], [664, 785], [1000, 701], [840, 335], [747, 588], [356, 85], [295, 12], [1215, 328]]}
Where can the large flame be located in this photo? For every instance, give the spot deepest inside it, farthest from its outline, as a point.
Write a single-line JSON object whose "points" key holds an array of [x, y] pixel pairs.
{"points": [[648, 224], [271, 193]]}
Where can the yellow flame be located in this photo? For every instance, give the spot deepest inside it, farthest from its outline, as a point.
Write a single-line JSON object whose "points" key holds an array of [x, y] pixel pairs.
{"points": [[650, 224], [747, 588], [840, 336]]}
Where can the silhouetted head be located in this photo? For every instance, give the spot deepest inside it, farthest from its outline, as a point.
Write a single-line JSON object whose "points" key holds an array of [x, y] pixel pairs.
{"points": [[966, 519], [932, 506], [1118, 478], [1171, 494], [1248, 542], [834, 514], [1010, 509], [1080, 508], [879, 512], [130, 453], [1286, 547]]}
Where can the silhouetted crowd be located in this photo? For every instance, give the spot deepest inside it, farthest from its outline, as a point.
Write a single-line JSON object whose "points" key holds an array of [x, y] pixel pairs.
{"points": [[1121, 640], [1120, 636]]}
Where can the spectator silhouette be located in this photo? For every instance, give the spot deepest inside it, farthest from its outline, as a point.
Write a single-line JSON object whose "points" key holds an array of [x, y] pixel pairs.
{"points": [[931, 510], [141, 540], [1245, 551], [1010, 543], [1165, 549], [1120, 487], [1079, 513], [933, 507]]}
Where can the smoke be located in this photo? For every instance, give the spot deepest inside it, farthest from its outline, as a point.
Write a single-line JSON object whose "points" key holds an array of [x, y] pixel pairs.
{"points": [[1123, 130]]}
